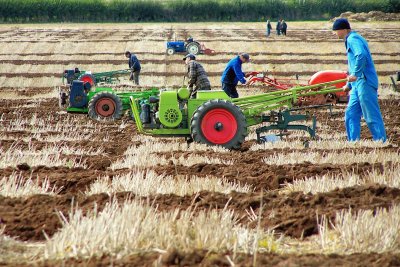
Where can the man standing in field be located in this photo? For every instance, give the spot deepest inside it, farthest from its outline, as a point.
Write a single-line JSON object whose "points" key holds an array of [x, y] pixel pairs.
{"points": [[363, 83], [197, 76], [233, 74], [269, 28], [278, 27], [134, 66], [283, 27]]}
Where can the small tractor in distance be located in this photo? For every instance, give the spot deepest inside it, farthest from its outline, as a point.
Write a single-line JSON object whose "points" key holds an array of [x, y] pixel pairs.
{"points": [[190, 46], [215, 119]]}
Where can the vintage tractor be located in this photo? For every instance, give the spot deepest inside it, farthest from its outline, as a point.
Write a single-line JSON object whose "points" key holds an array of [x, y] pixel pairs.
{"points": [[319, 77], [99, 102], [92, 78], [215, 119], [189, 46]]}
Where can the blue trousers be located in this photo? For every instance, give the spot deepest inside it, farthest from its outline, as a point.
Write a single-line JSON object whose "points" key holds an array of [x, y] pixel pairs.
{"points": [[363, 102]]}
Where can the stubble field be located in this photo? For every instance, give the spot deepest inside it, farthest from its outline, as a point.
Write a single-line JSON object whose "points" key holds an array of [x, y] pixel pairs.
{"points": [[79, 192]]}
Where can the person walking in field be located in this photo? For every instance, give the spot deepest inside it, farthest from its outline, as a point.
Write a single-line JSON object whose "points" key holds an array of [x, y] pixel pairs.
{"points": [[233, 74], [269, 28], [134, 66], [362, 84], [283, 27], [198, 79], [278, 27]]}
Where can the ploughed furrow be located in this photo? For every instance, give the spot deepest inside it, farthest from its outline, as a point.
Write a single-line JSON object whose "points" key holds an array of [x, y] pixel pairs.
{"points": [[170, 74], [173, 257], [163, 53], [179, 61], [293, 214]]}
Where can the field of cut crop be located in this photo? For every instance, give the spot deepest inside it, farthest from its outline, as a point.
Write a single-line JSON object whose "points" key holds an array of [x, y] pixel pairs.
{"points": [[78, 192]]}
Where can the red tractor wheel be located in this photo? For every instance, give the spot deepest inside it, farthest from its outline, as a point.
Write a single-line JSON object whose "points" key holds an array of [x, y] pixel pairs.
{"points": [[219, 122], [105, 105], [87, 78]]}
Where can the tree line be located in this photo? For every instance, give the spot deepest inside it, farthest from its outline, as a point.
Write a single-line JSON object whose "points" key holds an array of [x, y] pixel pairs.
{"points": [[31, 11]]}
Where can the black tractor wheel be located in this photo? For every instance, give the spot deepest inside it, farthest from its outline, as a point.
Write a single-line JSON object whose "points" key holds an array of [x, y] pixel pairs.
{"points": [[105, 105], [193, 48], [220, 123]]}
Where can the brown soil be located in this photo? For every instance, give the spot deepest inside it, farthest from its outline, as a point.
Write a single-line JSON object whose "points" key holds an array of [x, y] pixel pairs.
{"points": [[293, 214], [174, 74], [208, 258]]}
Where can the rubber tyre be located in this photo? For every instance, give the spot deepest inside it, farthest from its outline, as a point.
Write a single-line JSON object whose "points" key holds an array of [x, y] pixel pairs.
{"points": [[105, 105], [193, 48], [232, 134], [170, 51]]}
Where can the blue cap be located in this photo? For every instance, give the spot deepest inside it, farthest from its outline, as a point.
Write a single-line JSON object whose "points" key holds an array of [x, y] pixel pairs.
{"points": [[191, 56], [341, 24]]}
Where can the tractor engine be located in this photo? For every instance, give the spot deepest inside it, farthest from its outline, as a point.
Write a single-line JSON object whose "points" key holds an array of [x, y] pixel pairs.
{"points": [[169, 110], [71, 75], [78, 94]]}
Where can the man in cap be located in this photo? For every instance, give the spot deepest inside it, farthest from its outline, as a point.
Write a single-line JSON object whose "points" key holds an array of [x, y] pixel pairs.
{"points": [[233, 74], [197, 75], [363, 83], [134, 66]]}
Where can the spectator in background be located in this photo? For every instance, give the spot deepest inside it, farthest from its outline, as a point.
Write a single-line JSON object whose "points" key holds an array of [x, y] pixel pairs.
{"points": [[134, 66], [269, 28], [283, 27], [278, 27]]}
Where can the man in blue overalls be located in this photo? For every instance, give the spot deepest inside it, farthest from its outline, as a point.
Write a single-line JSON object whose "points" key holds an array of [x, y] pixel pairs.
{"points": [[233, 74], [363, 83]]}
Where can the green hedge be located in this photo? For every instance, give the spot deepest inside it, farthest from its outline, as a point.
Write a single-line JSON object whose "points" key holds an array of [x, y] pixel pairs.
{"points": [[182, 10]]}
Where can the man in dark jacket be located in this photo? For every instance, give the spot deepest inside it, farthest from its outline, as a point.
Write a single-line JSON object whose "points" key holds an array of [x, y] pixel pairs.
{"points": [[278, 27], [198, 79], [233, 74], [134, 66], [283, 27], [269, 28]]}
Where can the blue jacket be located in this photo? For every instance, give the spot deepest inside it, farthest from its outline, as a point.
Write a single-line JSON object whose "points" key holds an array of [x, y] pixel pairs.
{"points": [[359, 58], [134, 63], [233, 72]]}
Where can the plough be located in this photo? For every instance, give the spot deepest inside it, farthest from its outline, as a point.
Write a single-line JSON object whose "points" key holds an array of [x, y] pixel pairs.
{"points": [[215, 119], [319, 77]]}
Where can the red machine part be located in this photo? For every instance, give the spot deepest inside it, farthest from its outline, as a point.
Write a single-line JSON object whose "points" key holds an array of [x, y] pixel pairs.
{"points": [[257, 77], [331, 75], [206, 51], [219, 126], [87, 78]]}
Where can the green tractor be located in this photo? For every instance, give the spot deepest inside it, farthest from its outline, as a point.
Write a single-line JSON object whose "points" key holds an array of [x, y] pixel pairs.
{"points": [[81, 96], [100, 102], [215, 119], [93, 78]]}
